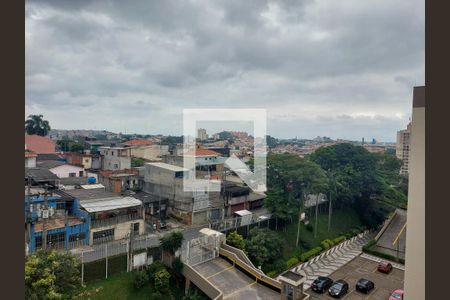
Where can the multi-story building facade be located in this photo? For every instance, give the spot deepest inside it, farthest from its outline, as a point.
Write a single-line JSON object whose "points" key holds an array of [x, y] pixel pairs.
{"points": [[415, 224], [115, 158], [402, 148]]}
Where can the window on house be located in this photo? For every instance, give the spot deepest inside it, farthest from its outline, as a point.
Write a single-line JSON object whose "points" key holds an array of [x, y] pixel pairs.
{"points": [[112, 153], [60, 205], [81, 174], [77, 237], [136, 228], [38, 241], [103, 235], [72, 174], [116, 166], [56, 238]]}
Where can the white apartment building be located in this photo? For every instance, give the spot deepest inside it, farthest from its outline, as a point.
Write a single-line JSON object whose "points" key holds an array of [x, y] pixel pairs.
{"points": [[403, 147]]}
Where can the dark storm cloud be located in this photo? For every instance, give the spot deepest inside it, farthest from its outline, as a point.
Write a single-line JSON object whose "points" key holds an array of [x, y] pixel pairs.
{"points": [[144, 61]]}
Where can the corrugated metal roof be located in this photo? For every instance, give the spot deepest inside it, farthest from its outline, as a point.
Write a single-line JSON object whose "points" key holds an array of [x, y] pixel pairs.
{"points": [[109, 203]]}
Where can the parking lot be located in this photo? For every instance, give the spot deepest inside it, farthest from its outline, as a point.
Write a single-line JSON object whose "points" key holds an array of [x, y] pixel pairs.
{"points": [[365, 268]]}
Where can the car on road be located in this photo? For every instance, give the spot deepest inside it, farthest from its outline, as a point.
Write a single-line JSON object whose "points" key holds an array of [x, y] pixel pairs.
{"points": [[364, 285], [338, 289], [321, 284], [397, 295], [384, 267]]}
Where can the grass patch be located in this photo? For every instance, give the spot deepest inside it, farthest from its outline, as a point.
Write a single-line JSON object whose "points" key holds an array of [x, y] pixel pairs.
{"points": [[120, 286], [342, 222]]}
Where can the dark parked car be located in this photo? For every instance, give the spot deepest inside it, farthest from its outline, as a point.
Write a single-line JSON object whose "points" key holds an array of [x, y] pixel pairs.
{"points": [[321, 284], [364, 285], [384, 267], [338, 289]]}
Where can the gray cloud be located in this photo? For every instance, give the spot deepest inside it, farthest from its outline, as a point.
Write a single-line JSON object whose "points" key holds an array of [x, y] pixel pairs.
{"points": [[135, 65]]}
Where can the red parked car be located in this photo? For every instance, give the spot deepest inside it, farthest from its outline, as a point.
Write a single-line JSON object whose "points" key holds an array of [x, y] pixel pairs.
{"points": [[397, 295], [384, 267]]}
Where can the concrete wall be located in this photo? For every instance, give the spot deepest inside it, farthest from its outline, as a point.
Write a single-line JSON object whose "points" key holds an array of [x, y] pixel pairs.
{"points": [[121, 230], [30, 162], [150, 151], [415, 230]]}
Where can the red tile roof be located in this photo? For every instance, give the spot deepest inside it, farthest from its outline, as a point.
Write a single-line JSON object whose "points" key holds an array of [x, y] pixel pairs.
{"points": [[39, 144], [137, 142], [200, 151]]}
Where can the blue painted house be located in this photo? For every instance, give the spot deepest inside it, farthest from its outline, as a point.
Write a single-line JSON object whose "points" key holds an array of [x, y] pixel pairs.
{"points": [[67, 226]]}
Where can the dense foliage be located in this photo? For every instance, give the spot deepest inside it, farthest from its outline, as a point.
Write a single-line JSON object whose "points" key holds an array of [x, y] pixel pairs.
{"points": [[236, 240], [171, 242], [35, 124], [263, 246], [354, 177], [361, 178], [290, 178], [50, 275]]}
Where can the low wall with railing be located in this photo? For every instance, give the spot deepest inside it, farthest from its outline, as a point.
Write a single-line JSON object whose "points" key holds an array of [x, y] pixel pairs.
{"points": [[202, 283], [250, 269]]}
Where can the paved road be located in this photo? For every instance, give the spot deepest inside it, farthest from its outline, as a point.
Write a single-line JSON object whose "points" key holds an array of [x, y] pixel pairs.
{"points": [[394, 238], [333, 259]]}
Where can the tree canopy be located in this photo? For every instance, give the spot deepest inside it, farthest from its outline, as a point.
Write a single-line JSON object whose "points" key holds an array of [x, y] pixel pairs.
{"points": [[35, 124], [172, 241], [50, 275], [290, 178], [263, 246]]}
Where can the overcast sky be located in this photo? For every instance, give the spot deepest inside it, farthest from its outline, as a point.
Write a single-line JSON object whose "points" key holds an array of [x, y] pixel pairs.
{"points": [[344, 69]]}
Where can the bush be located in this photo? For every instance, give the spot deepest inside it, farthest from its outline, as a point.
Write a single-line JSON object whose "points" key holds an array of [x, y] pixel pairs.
{"points": [[369, 244], [327, 244], [140, 279], [272, 274], [292, 262], [339, 239], [153, 269], [307, 255], [309, 227], [162, 281]]}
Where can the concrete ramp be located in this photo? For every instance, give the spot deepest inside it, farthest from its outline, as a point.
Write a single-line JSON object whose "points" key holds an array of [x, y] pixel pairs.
{"points": [[232, 282]]}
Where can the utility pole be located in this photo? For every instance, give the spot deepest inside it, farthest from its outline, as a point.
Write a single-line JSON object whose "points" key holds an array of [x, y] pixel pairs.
{"points": [[44, 219], [28, 215]]}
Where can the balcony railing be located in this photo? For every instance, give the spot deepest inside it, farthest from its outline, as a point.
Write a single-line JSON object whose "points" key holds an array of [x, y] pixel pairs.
{"points": [[115, 220]]}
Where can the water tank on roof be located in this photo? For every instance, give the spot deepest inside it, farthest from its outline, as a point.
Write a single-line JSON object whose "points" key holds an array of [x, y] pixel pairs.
{"points": [[91, 180]]}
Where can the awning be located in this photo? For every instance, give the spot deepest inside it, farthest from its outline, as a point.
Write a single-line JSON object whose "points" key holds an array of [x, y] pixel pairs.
{"points": [[243, 212], [109, 204]]}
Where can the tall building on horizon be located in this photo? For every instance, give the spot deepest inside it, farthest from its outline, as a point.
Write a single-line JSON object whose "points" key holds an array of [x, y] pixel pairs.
{"points": [[403, 147], [201, 134]]}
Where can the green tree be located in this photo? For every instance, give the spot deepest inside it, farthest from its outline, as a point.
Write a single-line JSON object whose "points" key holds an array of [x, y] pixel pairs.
{"points": [[50, 275], [263, 246], [172, 241], [137, 162], [162, 281], [77, 147], [236, 240], [35, 124]]}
